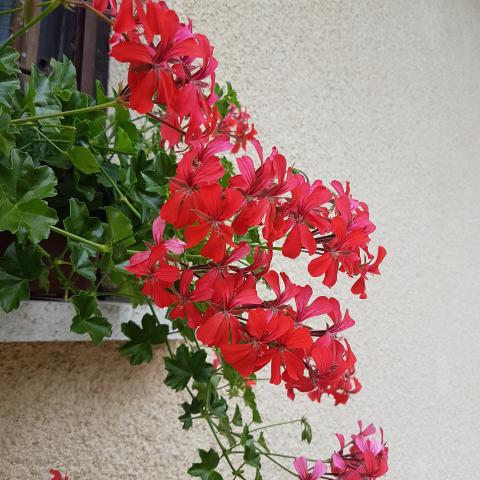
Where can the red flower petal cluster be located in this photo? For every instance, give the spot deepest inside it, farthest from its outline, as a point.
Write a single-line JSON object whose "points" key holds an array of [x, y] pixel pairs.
{"points": [[169, 65], [252, 332], [209, 270], [57, 475]]}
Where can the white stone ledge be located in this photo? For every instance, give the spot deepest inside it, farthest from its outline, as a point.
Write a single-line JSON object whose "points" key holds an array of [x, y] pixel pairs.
{"points": [[50, 320]]}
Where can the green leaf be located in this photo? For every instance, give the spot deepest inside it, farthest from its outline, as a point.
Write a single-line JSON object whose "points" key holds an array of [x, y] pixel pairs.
{"points": [[250, 455], [9, 61], [306, 431], [8, 86], [139, 348], [22, 190], [237, 417], [89, 319], [120, 226], [184, 366], [19, 266], [123, 120], [190, 409], [204, 469], [9, 70], [63, 78], [249, 399], [81, 262], [262, 442], [84, 160], [126, 284], [123, 141], [7, 139], [40, 99], [80, 223]]}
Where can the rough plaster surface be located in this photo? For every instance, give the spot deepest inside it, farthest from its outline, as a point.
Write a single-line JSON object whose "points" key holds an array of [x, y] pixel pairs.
{"points": [[387, 95]]}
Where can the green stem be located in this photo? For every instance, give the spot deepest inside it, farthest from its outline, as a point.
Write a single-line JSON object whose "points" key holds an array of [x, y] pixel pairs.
{"points": [[20, 9], [222, 448], [56, 147], [97, 246], [114, 150], [122, 196], [44, 13], [265, 247], [276, 425], [78, 111], [54, 127], [283, 467]]}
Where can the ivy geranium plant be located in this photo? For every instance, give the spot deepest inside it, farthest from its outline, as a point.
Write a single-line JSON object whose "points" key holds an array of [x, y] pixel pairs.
{"points": [[162, 195]]}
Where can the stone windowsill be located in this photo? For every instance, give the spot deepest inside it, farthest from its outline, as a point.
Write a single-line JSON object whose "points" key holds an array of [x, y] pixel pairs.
{"points": [[49, 320]]}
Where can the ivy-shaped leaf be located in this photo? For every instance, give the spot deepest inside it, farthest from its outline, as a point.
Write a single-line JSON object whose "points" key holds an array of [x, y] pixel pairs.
{"points": [[206, 468], [119, 226], [142, 339], [237, 417], [7, 139], [22, 190], [262, 442], [40, 99], [9, 71], [185, 366], [80, 223], [81, 262], [19, 266], [84, 160], [89, 319], [190, 409], [249, 399], [250, 454], [63, 78]]}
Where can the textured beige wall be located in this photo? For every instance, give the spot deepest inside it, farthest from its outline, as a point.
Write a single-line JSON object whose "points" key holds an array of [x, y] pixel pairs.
{"points": [[387, 95]]}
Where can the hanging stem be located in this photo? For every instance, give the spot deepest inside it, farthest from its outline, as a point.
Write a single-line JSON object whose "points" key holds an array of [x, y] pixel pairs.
{"points": [[276, 425], [97, 246], [122, 196], [79, 111], [100, 15], [44, 13], [283, 467]]}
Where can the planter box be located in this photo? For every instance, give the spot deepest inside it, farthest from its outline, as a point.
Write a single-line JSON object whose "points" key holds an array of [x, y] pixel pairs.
{"points": [[49, 320]]}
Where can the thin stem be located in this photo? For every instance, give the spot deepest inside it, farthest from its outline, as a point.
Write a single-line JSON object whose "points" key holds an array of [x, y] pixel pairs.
{"points": [[122, 196], [283, 467], [276, 425], [222, 448], [79, 111], [161, 120], [51, 7], [100, 15], [114, 150], [20, 9], [97, 246], [56, 147], [265, 247]]}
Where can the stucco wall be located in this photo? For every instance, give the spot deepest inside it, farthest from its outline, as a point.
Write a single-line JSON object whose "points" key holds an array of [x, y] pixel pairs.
{"points": [[387, 95]]}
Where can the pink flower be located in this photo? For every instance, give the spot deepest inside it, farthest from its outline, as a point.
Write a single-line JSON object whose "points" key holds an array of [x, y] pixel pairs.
{"points": [[300, 464]]}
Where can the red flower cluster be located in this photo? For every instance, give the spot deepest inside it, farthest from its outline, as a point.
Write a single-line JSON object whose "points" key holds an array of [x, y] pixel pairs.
{"points": [[57, 475], [366, 459], [173, 68], [215, 216], [252, 332], [169, 65]]}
